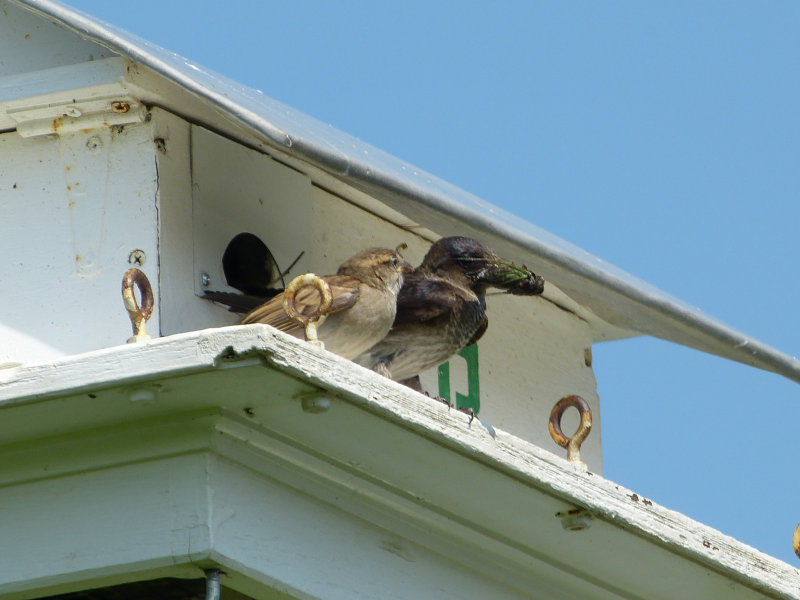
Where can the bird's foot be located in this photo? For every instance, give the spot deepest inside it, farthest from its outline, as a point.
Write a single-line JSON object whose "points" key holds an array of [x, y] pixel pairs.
{"points": [[415, 384], [440, 399], [468, 411]]}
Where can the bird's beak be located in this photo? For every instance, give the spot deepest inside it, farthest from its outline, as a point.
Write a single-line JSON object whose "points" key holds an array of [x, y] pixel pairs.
{"points": [[508, 276], [405, 267]]}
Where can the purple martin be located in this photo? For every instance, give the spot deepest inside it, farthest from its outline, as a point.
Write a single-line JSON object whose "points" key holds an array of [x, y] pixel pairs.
{"points": [[441, 307]]}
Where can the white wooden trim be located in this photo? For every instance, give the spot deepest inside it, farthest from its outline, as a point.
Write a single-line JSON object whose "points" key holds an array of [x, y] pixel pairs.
{"points": [[254, 345]]}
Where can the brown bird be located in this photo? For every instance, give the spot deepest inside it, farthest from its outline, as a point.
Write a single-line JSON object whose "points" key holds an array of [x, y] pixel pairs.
{"points": [[364, 292], [441, 307]]}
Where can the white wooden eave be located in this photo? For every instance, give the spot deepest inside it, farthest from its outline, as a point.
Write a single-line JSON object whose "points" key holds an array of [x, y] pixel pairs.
{"points": [[194, 450]]}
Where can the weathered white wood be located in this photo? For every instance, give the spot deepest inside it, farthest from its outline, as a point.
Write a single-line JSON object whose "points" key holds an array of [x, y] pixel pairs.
{"points": [[256, 195], [67, 458], [129, 522], [548, 472], [69, 99], [75, 207], [318, 551], [181, 310], [492, 485], [35, 88], [159, 517]]}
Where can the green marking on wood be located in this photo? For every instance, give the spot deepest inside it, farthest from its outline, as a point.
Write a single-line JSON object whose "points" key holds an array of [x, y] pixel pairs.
{"points": [[473, 397]]}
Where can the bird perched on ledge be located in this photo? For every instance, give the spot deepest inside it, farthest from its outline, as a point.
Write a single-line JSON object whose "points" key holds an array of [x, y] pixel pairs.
{"points": [[441, 307], [364, 292]]}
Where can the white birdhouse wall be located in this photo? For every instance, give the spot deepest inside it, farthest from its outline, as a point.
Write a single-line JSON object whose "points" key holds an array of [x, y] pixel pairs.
{"points": [[78, 209]]}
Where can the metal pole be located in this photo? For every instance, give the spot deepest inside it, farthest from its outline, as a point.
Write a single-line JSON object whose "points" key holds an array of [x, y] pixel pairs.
{"points": [[212, 584]]}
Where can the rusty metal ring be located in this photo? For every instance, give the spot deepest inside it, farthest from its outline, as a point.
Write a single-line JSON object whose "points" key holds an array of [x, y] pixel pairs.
{"points": [[136, 277], [796, 540], [298, 283], [138, 314], [573, 443]]}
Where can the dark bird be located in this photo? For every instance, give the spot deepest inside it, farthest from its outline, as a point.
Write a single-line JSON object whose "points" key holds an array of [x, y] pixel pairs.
{"points": [[364, 292], [441, 307]]}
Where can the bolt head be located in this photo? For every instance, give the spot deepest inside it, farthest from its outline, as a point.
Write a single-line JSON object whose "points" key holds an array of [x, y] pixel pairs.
{"points": [[315, 403], [120, 106], [137, 257], [94, 144], [575, 519]]}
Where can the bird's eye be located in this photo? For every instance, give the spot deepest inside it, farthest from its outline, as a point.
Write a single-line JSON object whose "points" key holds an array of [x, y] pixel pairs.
{"points": [[468, 262], [394, 262]]}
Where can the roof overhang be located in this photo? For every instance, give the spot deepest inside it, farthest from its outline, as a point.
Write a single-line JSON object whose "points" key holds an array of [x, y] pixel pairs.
{"points": [[246, 448]]}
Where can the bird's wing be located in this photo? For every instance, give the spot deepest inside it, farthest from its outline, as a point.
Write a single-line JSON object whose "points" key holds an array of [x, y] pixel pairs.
{"points": [[423, 298], [236, 302], [272, 313], [344, 289], [479, 332]]}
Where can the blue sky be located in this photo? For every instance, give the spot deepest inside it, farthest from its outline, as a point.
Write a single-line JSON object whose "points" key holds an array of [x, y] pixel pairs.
{"points": [[661, 137]]}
